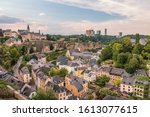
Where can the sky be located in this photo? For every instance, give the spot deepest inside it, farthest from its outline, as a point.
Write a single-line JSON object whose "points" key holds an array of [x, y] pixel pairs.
{"points": [[76, 16]]}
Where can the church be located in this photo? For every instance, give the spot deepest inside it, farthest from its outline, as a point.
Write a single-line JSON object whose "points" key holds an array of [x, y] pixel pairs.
{"points": [[27, 35]]}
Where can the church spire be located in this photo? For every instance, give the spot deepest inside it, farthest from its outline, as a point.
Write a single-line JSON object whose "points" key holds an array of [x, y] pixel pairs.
{"points": [[28, 28]]}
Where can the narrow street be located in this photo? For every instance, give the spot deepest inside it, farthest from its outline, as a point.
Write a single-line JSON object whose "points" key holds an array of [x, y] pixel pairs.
{"points": [[16, 67]]}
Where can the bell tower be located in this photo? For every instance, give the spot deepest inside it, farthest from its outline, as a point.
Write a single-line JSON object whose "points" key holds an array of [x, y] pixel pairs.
{"points": [[28, 28]]}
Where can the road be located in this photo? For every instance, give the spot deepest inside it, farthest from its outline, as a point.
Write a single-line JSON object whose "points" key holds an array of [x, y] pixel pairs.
{"points": [[16, 67]]}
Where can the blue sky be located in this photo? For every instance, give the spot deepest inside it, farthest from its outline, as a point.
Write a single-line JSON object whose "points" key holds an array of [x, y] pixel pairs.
{"points": [[74, 17]]}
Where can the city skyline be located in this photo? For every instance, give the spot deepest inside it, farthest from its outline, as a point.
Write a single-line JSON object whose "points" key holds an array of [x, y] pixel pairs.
{"points": [[74, 17]]}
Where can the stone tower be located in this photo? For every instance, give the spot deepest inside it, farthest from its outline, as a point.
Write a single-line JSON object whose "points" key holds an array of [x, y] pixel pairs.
{"points": [[28, 28]]}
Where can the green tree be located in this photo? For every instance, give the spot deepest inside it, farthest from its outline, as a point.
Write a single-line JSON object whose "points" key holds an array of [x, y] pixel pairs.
{"points": [[132, 66], [24, 50], [106, 53], [122, 58], [51, 46], [147, 48], [137, 49], [117, 47], [63, 72], [117, 82], [101, 81], [42, 95], [54, 71], [137, 37]]}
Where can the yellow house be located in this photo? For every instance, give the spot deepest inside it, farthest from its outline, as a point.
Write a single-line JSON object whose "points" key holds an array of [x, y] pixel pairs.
{"points": [[77, 86]]}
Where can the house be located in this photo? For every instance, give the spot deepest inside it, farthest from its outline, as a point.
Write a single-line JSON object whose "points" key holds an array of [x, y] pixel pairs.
{"points": [[127, 85], [25, 74], [104, 71], [143, 41], [28, 91], [89, 75], [41, 58], [140, 72], [13, 81], [62, 93], [14, 34], [70, 66], [116, 74], [141, 88], [7, 33], [41, 79], [58, 81], [62, 60], [77, 86], [79, 72], [1, 33], [13, 41], [93, 62]]}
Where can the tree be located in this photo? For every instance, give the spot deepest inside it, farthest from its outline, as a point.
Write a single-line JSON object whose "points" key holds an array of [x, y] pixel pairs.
{"points": [[147, 48], [117, 82], [63, 72], [137, 37], [122, 58], [31, 50], [104, 92], [106, 53], [117, 47], [137, 49], [127, 46], [101, 81], [24, 50], [51, 46], [134, 62], [132, 66], [54, 71], [42, 95], [129, 68]]}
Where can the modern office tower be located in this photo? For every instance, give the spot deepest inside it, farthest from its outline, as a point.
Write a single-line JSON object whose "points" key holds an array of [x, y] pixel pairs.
{"points": [[99, 32], [120, 34], [105, 31], [90, 33]]}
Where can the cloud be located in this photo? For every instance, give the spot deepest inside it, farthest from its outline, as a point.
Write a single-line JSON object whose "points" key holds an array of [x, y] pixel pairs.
{"points": [[6, 19], [136, 12], [42, 14], [122, 7]]}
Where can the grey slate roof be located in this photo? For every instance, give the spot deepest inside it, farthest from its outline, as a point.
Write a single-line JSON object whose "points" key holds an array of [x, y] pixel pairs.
{"points": [[59, 89], [40, 55], [128, 81], [25, 70], [117, 71], [57, 80], [106, 69], [77, 82], [140, 72], [93, 62], [62, 60]]}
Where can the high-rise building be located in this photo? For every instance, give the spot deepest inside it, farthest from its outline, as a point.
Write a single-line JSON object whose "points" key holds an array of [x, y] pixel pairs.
{"points": [[105, 31], [90, 32], [99, 32], [28, 28], [120, 34]]}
